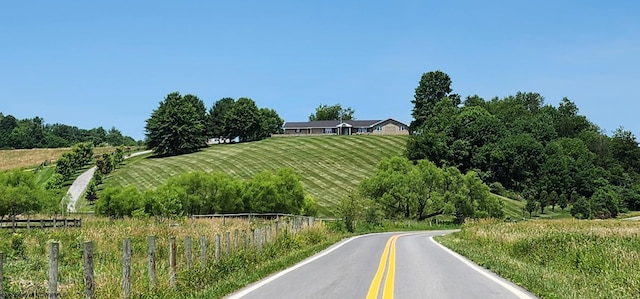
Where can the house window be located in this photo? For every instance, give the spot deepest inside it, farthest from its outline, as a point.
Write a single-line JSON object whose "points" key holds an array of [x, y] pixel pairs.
{"points": [[379, 128], [401, 128], [362, 130], [328, 130], [297, 130]]}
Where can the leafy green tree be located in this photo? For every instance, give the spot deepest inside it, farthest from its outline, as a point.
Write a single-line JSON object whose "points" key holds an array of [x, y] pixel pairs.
{"points": [[334, 112], [92, 192], [271, 123], [563, 202], [216, 118], [581, 208], [553, 199], [350, 209], [243, 120], [118, 155], [433, 86], [544, 199], [177, 126], [97, 177], [530, 206], [65, 167]]}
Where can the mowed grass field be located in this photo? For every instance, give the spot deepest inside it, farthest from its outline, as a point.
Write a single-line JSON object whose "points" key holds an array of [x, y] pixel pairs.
{"points": [[329, 166]]}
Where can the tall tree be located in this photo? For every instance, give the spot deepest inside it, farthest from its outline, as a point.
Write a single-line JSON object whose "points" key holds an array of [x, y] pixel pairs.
{"points": [[216, 124], [432, 88], [177, 125], [243, 120], [335, 112], [271, 123]]}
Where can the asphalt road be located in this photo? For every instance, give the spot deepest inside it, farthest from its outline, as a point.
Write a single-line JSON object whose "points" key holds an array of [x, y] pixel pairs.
{"points": [[389, 265], [82, 181]]}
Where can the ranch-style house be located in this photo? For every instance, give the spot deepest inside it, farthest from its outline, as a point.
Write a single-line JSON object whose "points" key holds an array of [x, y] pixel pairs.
{"points": [[348, 127]]}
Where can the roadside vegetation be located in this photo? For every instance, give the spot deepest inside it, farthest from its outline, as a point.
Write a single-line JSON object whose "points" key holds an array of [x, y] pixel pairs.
{"points": [[557, 258]]}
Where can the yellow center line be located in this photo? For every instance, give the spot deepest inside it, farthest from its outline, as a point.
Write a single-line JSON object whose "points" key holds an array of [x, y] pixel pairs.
{"points": [[388, 264], [377, 279], [387, 293]]}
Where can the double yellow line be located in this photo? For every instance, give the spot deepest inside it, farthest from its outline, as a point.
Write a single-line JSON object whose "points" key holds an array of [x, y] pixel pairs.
{"points": [[388, 263]]}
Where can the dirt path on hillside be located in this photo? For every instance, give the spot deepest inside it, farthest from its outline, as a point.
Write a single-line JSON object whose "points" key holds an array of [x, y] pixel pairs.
{"points": [[81, 183]]}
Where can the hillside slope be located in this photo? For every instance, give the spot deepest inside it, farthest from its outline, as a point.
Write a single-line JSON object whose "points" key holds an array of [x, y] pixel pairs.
{"points": [[329, 166]]}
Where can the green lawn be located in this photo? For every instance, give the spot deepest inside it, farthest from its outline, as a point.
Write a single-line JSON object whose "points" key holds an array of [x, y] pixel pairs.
{"points": [[329, 166]]}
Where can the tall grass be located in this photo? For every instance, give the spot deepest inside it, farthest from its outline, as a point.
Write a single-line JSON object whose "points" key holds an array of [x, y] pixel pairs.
{"points": [[329, 166], [26, 257], [559, 258], [22, 158]]}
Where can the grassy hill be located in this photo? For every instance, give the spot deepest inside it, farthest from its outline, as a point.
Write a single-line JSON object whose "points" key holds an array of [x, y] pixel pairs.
{"points": [[329, 166]]}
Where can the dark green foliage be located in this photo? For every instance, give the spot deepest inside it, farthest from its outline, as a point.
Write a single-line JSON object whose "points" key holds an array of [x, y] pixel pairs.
{"points": [[525, 146], [216, 124], [34, 133], [563, 202], [91, 193], [334, 112], [177, 126], [432, 88], [530, 206], [242, 119]]}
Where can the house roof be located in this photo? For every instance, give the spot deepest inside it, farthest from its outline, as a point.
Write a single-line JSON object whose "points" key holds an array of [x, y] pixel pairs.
{"points": [[333, 123]]}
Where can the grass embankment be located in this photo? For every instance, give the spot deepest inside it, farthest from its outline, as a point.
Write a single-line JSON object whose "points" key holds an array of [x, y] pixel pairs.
{"points": [[25, 158], [329, 166], [557, 258], [26, 264]]}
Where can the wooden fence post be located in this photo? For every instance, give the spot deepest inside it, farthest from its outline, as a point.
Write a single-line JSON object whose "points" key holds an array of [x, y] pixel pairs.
{"points": [[259, 239], [151, 256], [87, 257], [126, 268], [244, 239], [236, 238], [188, 252], [217, 245], [54, 250], [1, 275], [227, 241], [172, 262], [203, 252]]}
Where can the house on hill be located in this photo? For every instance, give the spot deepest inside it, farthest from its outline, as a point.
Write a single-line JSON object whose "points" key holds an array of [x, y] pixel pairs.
{"points": [[348, 127]]}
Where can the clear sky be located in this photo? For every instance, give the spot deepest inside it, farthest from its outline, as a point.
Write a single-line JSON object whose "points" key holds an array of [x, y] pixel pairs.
{"points": [[109, 63]]}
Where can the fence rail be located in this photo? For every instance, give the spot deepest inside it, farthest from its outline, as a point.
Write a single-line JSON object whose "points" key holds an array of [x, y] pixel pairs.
{"points": [[40, 223], [223, 245]]}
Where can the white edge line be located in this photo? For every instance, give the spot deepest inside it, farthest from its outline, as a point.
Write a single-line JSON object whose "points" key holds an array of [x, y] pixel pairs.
{"points": [[482, 271], [270, 279]]}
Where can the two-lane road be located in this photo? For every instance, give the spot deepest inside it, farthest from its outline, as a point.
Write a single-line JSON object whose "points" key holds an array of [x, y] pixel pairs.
{"points": [[389, 265]]}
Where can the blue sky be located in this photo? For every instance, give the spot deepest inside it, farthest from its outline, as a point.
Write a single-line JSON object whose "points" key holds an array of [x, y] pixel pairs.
{"points": [[109, 63]]}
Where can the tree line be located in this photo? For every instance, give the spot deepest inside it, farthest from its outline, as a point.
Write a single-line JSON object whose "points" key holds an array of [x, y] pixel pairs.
{"points": [[182, 124], [550, 156], [34, 133], [208, 193]]}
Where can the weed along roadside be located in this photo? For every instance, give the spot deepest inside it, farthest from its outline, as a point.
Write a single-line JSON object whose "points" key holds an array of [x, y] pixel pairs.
{"points": [[130, 258], [564, 258]]}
